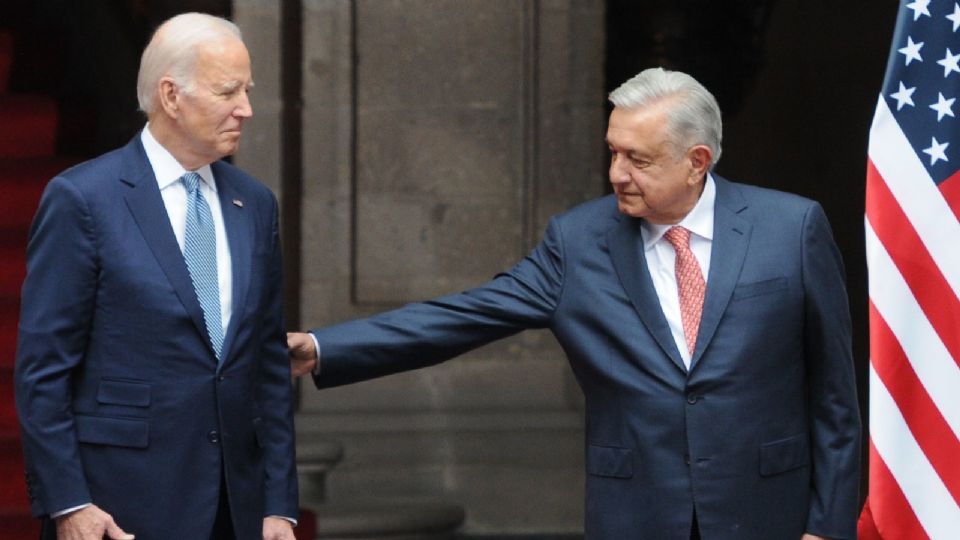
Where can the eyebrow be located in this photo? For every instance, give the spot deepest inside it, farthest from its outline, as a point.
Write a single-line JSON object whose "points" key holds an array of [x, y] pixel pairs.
{"points": [[231, 86]]}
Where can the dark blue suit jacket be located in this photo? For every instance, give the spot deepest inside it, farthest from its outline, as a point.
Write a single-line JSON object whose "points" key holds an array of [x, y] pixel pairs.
{"points": [[762, 435], [120, 397]]}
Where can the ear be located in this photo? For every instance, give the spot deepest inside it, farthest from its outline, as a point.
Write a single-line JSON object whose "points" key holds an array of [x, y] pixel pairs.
{"points": [[170, 96], [700, 157]]}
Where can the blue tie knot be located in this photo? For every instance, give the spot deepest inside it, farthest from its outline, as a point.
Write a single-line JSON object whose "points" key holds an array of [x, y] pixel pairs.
{"points": [[192, 182]]}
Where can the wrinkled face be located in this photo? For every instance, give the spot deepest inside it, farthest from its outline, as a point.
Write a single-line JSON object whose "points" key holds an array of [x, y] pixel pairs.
{"points": [[652, 177], [211, 115]]}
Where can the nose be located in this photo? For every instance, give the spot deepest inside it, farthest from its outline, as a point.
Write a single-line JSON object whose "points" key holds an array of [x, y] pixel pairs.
{"points": [[243, 108], [618, 172]]}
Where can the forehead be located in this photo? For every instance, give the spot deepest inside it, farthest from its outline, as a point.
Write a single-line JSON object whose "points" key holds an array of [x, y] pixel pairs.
{"points": [[223, 61], [638, 127]]}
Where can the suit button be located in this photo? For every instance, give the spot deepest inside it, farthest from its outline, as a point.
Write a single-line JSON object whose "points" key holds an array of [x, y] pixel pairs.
{"points": [[213, 436], [692, 398], [686, 459], [220, 378]]}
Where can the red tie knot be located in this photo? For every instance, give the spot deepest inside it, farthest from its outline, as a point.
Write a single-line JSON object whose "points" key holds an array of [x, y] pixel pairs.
{"points": [[678, 237]]}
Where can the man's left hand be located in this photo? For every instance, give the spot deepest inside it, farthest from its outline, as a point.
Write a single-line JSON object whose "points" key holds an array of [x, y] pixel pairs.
{"points": [[277, 529], [809, 536]]}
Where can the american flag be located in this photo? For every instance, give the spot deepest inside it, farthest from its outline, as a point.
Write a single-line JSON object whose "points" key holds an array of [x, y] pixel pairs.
{"points": [[913, 255]]}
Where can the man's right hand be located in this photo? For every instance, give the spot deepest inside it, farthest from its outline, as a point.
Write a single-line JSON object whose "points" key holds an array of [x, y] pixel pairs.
{"points": [[89, 523], [303, 353]]}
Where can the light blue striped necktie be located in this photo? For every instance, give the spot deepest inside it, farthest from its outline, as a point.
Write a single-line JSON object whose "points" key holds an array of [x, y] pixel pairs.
{"points": [[200, 252]]}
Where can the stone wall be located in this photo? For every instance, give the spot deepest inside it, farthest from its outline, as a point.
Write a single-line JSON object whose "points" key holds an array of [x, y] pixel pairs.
{"points": [[438, 138]]}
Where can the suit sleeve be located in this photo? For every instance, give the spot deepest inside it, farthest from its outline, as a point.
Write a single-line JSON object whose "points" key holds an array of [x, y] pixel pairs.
{"points": [[56, 313], [427, 333], [834, 413], [275, 393]]}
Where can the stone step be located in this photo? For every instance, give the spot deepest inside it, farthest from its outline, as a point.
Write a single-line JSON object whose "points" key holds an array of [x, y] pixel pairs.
{"points": [[389, 520], [513, 471]]}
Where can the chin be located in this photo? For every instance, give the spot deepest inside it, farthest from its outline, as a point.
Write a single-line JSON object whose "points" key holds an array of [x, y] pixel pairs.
{"points": [[228, 149], [631, 210]]}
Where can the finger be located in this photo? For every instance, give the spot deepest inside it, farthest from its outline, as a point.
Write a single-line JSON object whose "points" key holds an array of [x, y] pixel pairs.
{"points": [[114, 532]]}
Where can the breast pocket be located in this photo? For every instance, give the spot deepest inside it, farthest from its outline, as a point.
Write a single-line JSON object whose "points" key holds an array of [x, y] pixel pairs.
{"points": [[122, 392]]}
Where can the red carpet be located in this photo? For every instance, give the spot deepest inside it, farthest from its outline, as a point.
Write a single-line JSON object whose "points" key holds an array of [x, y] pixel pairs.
{"points": [[27, 160]]}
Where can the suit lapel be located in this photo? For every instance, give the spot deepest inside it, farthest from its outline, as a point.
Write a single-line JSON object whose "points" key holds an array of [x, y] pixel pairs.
{"points": [[731, 236], [145, 203], [624, 241], [239, 229]]}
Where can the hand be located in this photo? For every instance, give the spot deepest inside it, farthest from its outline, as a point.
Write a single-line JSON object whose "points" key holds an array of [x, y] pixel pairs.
{"points": [[808, 536], [303, 353], [89, 523], [275, 528]]}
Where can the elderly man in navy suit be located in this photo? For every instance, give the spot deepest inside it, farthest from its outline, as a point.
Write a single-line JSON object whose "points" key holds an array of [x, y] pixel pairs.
{"points": [[152, 380], [706, 322]]}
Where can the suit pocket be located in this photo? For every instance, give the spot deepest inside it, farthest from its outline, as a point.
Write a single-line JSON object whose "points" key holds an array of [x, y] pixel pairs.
{"points": [[112, 431], [129, 393], [784, 455], [610, 461], [756, 288]]}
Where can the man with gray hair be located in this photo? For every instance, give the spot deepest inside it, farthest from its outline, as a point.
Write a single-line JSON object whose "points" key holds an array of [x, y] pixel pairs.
{"points": [[152, 381], [706, 322]]}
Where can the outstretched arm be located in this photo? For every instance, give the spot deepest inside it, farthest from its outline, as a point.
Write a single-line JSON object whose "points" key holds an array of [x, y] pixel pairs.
{"points": [[426, 333]]}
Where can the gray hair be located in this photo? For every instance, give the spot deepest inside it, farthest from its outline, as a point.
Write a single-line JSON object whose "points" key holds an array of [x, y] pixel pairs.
{"points": [[694, 113], [172, 52]]}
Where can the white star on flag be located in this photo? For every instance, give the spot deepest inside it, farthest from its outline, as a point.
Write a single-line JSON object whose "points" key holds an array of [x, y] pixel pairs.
{"points": [[955, 17], [904, 96], [937, 151], [949, 63], [943, 106], [912, 51], [919, 8]]}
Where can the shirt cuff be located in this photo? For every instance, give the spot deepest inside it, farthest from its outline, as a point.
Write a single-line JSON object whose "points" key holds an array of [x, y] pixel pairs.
{"points": [[291, 520], [316, 344], [54, 515]]}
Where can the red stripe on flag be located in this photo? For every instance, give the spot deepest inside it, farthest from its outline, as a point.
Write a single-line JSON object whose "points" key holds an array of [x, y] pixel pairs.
{"points": [[892, 514], [923, 276], [951, 192], [866, 527], [924, 419]]}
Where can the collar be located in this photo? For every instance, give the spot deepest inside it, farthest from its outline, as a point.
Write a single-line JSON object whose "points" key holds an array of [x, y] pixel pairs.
{"points": [[166, 168], [698, 221]]}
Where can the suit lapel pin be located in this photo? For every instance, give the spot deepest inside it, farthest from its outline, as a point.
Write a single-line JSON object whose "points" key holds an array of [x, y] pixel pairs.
{"points": [[238, 203]]}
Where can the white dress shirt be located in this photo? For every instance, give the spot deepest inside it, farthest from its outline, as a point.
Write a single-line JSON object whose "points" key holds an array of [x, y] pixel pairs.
{"points": [[168, 171], [661, 257]]}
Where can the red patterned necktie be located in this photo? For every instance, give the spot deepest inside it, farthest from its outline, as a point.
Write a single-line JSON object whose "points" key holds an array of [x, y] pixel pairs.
{"points": [[690, 284]]}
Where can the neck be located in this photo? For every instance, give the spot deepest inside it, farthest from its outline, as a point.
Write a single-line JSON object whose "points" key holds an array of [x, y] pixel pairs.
{"points": [[166, 135]]}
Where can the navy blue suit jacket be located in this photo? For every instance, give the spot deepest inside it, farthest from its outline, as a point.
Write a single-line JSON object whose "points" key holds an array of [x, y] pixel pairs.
{"points": [[119, 393], [761, 436]]}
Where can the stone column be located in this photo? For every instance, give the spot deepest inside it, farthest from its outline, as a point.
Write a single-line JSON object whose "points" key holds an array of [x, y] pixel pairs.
{"points": [[259, 154]]}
